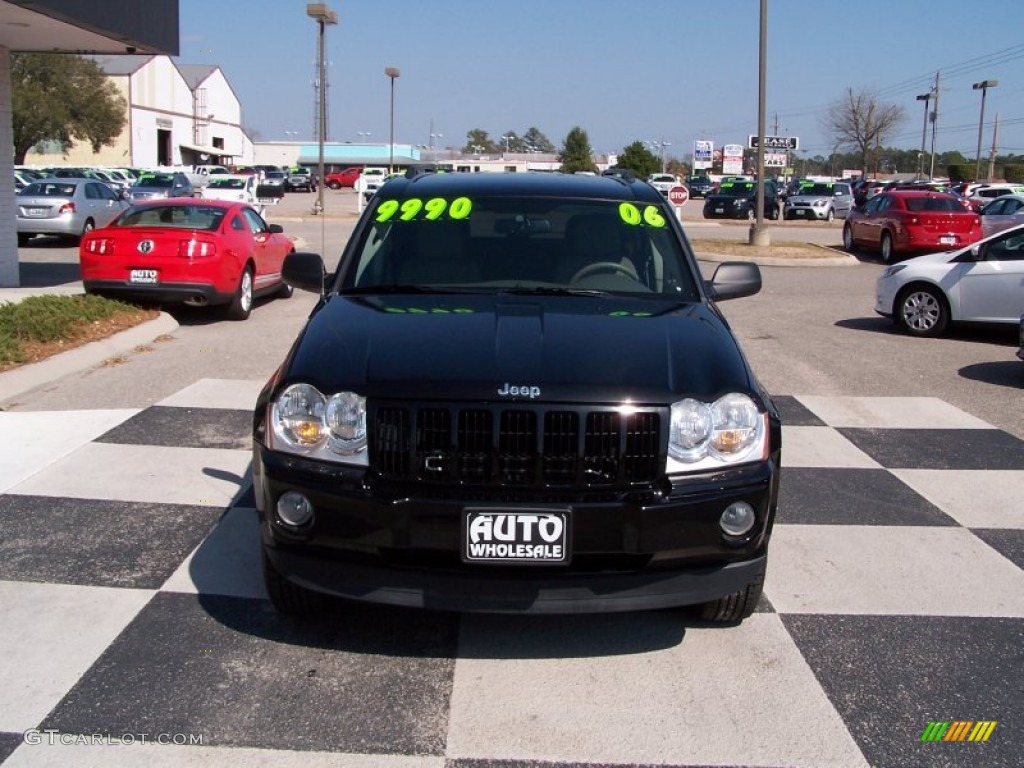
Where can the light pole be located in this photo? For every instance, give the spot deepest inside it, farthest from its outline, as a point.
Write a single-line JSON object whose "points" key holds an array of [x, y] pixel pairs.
{"points": [[925, 97], [660, 146], [983, 86], [323, 16], [392, 72]]}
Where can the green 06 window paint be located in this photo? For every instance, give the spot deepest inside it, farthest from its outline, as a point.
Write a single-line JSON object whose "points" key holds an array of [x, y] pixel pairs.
{"points": [[633, 216], [417, 208]]}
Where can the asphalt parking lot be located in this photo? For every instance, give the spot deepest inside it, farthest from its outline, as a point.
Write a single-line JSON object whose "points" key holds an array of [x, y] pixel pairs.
{"points": [[895, 595]]}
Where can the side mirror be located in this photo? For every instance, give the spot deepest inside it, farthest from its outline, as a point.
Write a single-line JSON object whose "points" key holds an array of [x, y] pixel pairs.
{"points": [[275, 229], [734, 280], [305, 271]]}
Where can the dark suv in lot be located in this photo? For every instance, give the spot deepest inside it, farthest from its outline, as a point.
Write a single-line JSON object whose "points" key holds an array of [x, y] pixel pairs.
{"points": [[699, 186], [738, 200], [517, 394]]}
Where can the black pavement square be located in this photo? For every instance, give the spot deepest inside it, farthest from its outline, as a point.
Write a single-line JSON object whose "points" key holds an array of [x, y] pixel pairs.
{"points": [[184, 428], [834, 496], [939, 448], [96, 542], [8, 743], [794, 413], [889, 676], [1009, 542], [364, 680]]}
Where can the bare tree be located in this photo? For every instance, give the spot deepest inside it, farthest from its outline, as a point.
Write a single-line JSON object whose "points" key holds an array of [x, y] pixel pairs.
{"points": [[859, 120]]}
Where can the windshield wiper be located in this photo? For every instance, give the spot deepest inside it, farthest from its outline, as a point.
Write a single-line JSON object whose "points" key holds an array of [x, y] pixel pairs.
{"points": [[367, 290], [552, 291]]}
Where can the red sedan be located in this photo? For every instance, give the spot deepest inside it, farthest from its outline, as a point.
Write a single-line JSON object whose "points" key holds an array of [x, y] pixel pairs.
{"points": [[187, 251], [902, 222]]}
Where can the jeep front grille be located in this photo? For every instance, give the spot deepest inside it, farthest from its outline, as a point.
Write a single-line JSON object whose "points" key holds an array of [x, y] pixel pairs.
{"points": [[516, 447]]}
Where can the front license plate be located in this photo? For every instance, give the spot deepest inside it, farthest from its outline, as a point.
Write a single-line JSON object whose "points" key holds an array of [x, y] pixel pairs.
{"points": [[143, 276], [719, 210], [947, 240], [520, 537]]}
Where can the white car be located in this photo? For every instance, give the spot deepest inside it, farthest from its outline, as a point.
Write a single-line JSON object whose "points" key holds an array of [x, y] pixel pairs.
{"points": [[663, 182], [982, 283], [1002, 213], [241, 188]]}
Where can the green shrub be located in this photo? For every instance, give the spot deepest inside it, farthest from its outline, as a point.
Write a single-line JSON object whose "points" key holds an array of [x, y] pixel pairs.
{"points": [[50, 318], [1014, 173]]}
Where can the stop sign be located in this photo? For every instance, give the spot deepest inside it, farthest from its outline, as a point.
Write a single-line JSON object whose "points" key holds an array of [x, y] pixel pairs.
{"points": [[678, 195]]}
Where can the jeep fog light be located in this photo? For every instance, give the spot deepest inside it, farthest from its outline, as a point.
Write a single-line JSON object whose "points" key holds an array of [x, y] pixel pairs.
{"points": [[294, 509], [737, 519]]}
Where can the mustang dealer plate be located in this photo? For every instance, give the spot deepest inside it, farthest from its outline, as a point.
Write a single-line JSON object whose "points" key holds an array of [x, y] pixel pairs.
{"points": [[147, 276], [523, 536]]}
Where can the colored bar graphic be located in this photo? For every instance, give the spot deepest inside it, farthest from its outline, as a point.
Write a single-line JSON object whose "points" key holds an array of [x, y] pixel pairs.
{"points": [[958, 730]]}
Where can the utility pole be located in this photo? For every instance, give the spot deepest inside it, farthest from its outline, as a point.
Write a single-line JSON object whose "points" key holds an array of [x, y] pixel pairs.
{"points": [[935, 121], [992, 152]]}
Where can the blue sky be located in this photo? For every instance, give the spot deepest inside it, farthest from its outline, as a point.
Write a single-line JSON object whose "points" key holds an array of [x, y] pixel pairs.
{"points": [[660, 70]]}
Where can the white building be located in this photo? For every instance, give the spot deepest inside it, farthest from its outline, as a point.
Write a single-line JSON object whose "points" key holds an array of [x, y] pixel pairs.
{"points": [[177, 114]]}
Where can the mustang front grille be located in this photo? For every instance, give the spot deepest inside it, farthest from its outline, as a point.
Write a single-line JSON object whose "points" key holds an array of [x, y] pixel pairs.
{"points": [[516, 447]]}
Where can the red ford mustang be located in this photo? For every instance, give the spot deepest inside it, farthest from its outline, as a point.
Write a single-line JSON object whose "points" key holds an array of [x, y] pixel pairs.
{"points": [[187, 251], [902, 222]]}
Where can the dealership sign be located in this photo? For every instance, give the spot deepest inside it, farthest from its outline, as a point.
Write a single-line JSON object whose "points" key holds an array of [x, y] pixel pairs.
{"points": [[775, 142], [703, 152]]}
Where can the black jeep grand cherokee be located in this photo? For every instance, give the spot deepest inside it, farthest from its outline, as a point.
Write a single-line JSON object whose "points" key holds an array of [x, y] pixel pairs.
{"points": [[517, 394]]}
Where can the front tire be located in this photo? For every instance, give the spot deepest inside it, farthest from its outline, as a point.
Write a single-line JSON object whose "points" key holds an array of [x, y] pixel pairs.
{"points": [[287, 597], [735, 607], [830, 216], [887, 251], [922, 311], [241, 303]]}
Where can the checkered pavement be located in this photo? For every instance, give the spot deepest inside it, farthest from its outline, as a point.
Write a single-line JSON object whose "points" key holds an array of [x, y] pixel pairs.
{"points": [[133, 611]]}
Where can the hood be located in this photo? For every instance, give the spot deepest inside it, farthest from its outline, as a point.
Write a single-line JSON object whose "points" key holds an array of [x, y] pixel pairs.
{"points": [[809, 199], [485, 348]]}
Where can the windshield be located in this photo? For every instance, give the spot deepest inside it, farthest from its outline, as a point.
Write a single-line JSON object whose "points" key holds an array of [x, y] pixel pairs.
{"points": [[495, 244], [226, 184], [817, 190], [205, 217], [155, 181], [737, 189], [51, 189]]}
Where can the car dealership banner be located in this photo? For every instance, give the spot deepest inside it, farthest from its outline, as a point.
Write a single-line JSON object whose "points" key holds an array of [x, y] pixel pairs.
{"points": [[732, 159], [703, 153]]}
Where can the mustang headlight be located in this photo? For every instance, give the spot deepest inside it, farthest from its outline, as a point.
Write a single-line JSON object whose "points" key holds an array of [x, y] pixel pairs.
{"points": [[728, 431], [304, 421]]}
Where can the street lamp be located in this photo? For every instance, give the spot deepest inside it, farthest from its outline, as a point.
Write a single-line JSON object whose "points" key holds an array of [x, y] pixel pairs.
{"points": [[660, 145], [323, 16], [925, 97], [983, 86], [392, 72]]}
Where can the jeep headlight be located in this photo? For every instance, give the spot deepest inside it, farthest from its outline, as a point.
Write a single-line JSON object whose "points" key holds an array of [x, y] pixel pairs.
{"points": [[702, 435], [303, 420]]}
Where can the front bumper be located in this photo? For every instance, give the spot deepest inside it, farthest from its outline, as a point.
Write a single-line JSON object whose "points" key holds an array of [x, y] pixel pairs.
{"points": [[377, 544], [805, 212]]}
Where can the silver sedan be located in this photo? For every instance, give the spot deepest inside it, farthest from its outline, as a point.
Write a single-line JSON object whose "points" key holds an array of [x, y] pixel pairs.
{"points": [[1002, 213], [65, 207]]}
